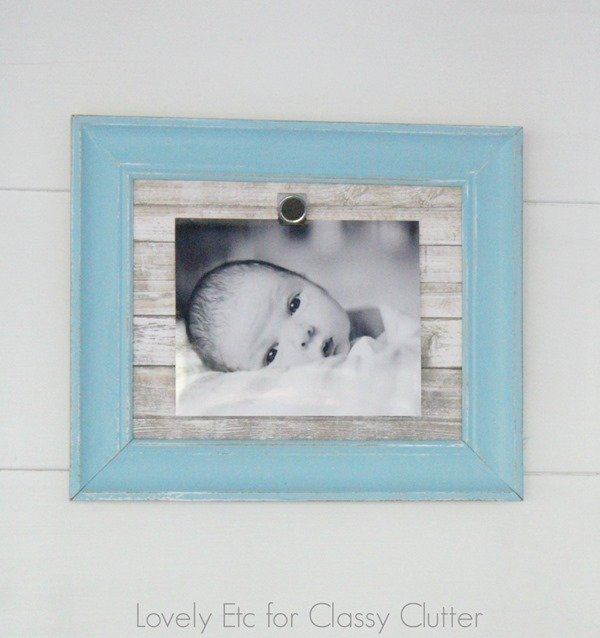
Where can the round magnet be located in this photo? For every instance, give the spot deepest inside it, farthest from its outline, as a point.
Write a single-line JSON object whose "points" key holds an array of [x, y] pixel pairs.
{"points": [[292, 210]]}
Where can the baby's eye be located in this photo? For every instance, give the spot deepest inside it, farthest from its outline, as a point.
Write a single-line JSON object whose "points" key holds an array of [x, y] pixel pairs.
{"points": [[271, 354], [294, 304]]}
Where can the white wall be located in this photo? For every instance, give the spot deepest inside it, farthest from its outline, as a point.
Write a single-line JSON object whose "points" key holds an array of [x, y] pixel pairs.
{"points": [[76, 569]]}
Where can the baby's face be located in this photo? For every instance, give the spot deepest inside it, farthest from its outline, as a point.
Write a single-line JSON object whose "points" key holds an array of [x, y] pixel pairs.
{"points": [[279, 320]]}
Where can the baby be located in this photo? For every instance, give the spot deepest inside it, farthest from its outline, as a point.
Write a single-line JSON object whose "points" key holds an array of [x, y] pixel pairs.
{"points": [[245, 315]]}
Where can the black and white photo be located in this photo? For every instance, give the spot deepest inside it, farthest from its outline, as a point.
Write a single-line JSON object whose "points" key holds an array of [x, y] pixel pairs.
{"points": [[318, 319]]}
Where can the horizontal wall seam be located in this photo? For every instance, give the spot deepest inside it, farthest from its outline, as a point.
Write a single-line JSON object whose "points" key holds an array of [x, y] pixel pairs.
{"points": [[526, 201], [531, 473]]}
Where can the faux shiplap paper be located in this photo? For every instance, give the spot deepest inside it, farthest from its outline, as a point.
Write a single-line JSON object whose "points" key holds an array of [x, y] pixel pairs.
{"points": [[157, 204]]}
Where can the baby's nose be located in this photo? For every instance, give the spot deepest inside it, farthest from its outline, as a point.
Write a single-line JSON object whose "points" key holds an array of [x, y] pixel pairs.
{"points": [[306, 334]]}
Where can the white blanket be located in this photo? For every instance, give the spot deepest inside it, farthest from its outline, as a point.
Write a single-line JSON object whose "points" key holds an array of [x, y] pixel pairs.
{"points": [[378, 377]]}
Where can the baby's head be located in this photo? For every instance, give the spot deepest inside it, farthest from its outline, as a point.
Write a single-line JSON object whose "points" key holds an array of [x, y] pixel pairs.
{"points": [[245, 315]]}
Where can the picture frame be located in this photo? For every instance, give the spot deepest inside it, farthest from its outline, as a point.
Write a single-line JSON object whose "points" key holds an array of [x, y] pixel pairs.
{"points": [[109, 463]]}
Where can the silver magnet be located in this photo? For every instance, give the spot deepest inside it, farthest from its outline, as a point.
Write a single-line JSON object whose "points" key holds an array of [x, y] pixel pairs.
{"points": [[292, 208]]}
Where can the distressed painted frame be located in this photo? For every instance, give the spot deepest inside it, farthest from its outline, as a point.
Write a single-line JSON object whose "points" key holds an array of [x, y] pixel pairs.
{"points": [[109, 153]]}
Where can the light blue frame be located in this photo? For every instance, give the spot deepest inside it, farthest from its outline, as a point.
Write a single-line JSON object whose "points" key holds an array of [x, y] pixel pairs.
{"points": [[107, 463]]}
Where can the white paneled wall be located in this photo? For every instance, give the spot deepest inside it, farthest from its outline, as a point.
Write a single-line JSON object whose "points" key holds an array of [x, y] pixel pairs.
{"points": [[76, 569]]}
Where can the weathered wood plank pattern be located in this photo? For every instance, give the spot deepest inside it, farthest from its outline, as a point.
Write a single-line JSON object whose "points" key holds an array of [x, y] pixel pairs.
{"points": [[441, 343], [156, 261], [154, 342], [441, 264], [264, 194], [438, 210], [157, 297], [441, 300], [436, 226], [155, 392], [310, 428]]}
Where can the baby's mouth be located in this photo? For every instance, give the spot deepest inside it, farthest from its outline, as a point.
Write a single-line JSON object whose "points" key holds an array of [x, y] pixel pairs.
{"points": [[328, 348]]}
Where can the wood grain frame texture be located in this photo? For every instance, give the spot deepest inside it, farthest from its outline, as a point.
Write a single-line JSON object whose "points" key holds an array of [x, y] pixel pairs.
{"points": [[158, 203]]}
